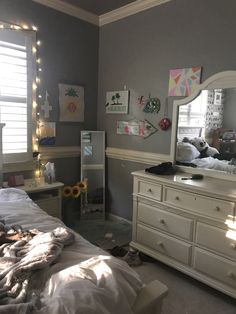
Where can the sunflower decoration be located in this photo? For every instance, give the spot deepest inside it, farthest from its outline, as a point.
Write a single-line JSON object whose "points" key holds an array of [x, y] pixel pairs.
{"points": [[75, 191], [83, 185], [67, 191]]}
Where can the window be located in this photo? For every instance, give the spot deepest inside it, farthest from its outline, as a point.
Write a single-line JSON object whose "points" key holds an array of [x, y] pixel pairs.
{"points": [[192, 117], [17, 74]]}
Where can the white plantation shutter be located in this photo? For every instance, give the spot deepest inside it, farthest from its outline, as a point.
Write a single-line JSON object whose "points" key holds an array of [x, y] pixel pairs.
{"points": [[16, 77]]}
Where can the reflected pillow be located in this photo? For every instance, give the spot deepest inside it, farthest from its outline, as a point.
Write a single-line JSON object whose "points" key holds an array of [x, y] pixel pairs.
{"points": [[186, 152]]}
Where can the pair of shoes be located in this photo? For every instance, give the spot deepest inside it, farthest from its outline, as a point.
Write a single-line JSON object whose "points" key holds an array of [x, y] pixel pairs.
{"points": [[118, 251], [132, 258]]}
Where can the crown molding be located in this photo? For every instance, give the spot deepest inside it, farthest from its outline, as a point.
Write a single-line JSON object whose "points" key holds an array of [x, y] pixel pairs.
{"points": [[136, 156], [129, 9], [70, 10], [112, 16]]}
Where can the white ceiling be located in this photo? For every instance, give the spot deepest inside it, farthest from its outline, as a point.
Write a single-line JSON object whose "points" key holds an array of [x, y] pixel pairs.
{"points": [[98, 7]]}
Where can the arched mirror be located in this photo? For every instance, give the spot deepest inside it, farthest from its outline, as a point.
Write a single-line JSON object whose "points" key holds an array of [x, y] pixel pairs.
{"points": [[204, 128]]}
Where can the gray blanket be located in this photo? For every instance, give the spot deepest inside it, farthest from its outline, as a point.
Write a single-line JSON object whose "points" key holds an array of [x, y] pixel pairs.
{"points": [[26, 254]]}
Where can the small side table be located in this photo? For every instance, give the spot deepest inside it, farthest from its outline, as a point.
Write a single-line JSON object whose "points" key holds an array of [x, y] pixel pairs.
{"points": [[46, 196]]}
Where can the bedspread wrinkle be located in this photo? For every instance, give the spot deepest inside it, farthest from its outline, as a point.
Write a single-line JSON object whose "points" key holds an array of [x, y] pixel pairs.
{"points": [[22, 254]]}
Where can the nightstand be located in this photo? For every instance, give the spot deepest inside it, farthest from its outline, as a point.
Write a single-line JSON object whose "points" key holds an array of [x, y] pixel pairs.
{"points": [[46, 196]]}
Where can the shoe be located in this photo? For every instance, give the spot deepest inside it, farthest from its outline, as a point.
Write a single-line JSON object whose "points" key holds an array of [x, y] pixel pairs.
{"points": [[132, 258]]}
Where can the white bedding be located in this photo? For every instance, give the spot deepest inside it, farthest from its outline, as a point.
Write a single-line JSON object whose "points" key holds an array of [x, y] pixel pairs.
{"points": [[214, 163], [84, 280]]}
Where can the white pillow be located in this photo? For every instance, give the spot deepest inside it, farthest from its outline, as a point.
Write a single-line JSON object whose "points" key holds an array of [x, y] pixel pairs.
{"points": [[186, 152]]}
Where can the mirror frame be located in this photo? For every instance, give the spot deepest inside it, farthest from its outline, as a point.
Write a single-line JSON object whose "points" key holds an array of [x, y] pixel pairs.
{"points": [[226, 79]]}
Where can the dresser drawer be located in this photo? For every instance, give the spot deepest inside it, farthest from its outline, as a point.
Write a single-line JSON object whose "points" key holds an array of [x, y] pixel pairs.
{"points": [[166, 221], [215, 238], [150, 190], [215, 267], [207, 206], [166, 245]]}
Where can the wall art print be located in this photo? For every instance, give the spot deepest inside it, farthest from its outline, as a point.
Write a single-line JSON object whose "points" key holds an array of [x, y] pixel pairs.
{"points": [[142, 128], [117, 102], [71, 101], [182, 82], [47, 133]]}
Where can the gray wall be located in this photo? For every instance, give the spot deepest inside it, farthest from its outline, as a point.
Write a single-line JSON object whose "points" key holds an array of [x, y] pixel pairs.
{"points": [[138, 52], [69, 53]]}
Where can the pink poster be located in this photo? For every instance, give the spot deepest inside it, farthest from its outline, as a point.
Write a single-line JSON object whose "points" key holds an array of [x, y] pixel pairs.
{"points": [[182, 82]]}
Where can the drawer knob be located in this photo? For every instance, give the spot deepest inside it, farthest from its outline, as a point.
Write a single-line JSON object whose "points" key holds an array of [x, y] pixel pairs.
{"points": [[162, 221], [230, 274], [177, 198], [150, 190], [217, 208], [233, 245], [160, 243]]}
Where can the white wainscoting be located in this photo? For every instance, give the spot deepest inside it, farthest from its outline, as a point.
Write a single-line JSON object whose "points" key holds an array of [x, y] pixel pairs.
{"points": [[55, 152], [111, 152], [136, 156]]}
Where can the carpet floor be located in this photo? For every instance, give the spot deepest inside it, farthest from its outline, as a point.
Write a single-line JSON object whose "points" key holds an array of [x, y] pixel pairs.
{"points": [[185, 295]]}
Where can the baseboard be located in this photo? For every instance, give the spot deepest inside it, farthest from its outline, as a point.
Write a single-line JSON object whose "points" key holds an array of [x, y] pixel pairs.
{"points": [[116, 218]]}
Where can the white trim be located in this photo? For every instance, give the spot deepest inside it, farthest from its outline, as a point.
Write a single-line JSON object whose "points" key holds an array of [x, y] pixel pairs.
{"points": [[106, 18], [92, 167], [129, 9], [136, 156], [55, 152], [19, 166], [70, 10], [116, 218]]}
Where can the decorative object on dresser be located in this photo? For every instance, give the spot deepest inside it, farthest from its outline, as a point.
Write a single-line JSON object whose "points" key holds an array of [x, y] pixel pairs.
{"points": [[183, 223]]}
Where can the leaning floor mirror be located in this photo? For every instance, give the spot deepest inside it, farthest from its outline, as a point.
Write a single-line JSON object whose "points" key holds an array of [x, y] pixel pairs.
{"points": [[204, 128], [93, 175]]}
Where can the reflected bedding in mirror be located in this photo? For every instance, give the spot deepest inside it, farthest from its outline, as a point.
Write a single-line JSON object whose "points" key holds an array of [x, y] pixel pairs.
{"points": [[206, 131]]}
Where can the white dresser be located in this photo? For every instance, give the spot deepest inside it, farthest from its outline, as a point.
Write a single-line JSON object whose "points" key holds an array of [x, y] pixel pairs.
{"points": [[182, 223]]}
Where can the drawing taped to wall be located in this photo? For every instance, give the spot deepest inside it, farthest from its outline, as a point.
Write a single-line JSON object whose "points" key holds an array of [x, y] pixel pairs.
{"points": [[117, 102], [142, 128], [47, 133], [71, 100], [182, 82]]}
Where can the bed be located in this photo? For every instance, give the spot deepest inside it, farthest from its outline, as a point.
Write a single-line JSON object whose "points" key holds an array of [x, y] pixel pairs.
{"points": [[82, 278]]}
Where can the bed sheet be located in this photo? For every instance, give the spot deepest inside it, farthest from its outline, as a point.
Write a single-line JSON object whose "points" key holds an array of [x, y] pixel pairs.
{"points": [[85, 279]]}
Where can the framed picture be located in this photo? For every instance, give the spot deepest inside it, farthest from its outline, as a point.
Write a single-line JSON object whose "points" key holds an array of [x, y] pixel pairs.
{"points": [[218, 98], [71, 101], [182, 82], [117, 102], [47, 133]]}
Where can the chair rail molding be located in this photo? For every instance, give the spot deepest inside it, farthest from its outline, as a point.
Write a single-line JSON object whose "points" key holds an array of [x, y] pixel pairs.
{"points": [[136, 156], [55, 152]]}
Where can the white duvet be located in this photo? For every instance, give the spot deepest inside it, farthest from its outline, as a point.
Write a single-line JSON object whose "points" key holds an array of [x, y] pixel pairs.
{"points": [[84, 280], [214, 163]]}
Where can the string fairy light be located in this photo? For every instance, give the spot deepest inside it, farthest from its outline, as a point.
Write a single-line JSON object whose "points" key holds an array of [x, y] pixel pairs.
{"points": [[36, 115]]}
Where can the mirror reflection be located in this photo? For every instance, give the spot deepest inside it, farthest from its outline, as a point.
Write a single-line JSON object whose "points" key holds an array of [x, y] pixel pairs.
{"points": [[206, 131]]}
